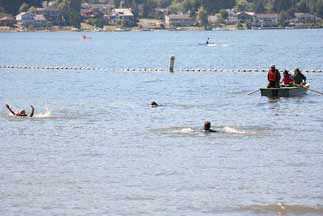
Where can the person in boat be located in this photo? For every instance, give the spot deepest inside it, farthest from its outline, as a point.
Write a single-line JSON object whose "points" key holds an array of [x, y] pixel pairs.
{"points": [[207, 127], [299, 78], [154, 104], [273, 77], [21, 113], [287, 78]]}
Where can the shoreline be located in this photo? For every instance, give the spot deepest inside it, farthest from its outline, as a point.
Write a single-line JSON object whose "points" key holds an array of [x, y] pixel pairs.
{"points": [[5, 29]]}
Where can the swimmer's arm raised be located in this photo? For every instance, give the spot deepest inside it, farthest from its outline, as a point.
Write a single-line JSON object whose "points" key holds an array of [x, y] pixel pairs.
{"points": [[32, 111], [8, 107]]}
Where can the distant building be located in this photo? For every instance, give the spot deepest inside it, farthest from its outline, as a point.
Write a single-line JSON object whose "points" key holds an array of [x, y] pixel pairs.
{"points": [[265, 20], [122, 15], [246, 17], [178, 20], [91, 13], [25, 19], [7, 21], [304, 19], [40, 21], [53, 16], [105, 8], [232, 17], [212, 20]]}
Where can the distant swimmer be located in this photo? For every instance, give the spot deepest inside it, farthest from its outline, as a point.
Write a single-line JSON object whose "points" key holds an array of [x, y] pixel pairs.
{"points": [[84, 37], [207, 127], [154, 104], [22, 113]]}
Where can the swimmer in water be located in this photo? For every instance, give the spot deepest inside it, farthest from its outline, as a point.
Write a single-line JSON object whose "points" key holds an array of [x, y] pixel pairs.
{"points": [[207, 127], [22, 113], [154, 104]]}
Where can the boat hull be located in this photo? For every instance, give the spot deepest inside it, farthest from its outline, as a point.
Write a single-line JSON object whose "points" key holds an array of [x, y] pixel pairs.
{"points": [[283, 91]]}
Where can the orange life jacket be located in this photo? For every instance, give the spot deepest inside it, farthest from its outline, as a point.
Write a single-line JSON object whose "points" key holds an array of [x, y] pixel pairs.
{"points": [[272, 75]]}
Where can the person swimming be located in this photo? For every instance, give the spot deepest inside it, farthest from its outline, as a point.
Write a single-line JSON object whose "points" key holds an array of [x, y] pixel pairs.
{"points": [[154, 104], [207, 127], [22, 113]]}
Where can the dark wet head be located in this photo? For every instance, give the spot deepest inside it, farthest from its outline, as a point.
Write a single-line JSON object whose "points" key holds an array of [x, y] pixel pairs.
{"points": [[153, 104], [286, 72], [22, 112], [296, 71], [207, 125]]}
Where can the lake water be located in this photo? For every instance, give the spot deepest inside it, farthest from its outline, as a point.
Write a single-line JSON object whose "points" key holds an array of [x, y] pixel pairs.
{"points": [[96, 147]]}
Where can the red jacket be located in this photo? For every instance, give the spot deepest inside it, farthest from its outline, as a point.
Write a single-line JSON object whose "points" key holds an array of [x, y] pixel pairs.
{"points": [[273, 75], [288, 79]]}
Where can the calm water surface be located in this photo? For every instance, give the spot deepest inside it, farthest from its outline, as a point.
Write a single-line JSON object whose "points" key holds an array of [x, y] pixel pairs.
{"points": [[95, 147]]}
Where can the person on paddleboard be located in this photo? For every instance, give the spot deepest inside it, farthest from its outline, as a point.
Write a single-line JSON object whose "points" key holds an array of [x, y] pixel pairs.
{"points": [[273, 77], [207, 127], [207, 42], [21, 113]]}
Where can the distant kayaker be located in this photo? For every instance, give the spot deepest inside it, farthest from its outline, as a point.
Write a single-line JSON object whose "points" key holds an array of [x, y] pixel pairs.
{"points": [[22, 113], [299, 78], [207, 127], [273, 77], [287, 78]]}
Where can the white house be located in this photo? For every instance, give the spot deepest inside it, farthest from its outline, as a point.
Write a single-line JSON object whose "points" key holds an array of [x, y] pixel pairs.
{"points": [[122, 14]]}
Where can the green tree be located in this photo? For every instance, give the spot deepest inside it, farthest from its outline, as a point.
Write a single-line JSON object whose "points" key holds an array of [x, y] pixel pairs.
{"points": [[74, 18], [283, 19], [224, 14], [23, 8], [202, 17], [242, 5], [32, 9], [149, 6], [64, 5]]}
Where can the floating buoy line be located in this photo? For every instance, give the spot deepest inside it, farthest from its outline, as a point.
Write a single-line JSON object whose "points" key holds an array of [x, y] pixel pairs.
{"points": [[144, 69]]}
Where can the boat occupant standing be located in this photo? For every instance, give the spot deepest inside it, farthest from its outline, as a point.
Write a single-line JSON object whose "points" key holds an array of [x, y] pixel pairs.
{"points": [[273, 77]]}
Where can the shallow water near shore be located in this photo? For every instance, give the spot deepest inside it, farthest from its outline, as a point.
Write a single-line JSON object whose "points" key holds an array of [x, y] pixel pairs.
{"points": [[96, 147]]}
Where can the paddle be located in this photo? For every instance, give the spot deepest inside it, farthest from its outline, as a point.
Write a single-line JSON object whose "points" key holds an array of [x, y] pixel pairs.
{"points": [[307, 87], [314, 90], [253, 92]]}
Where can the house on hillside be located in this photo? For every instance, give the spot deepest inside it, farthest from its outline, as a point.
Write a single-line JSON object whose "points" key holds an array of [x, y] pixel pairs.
{"points": [[40, 21], [265, 20], [304, 19], [122, 15], [213, 20], [246, 17], [7, 21], [232, 17], [25, 19], [105, 7], [86, 14], [178, 20], [53, 16]]}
